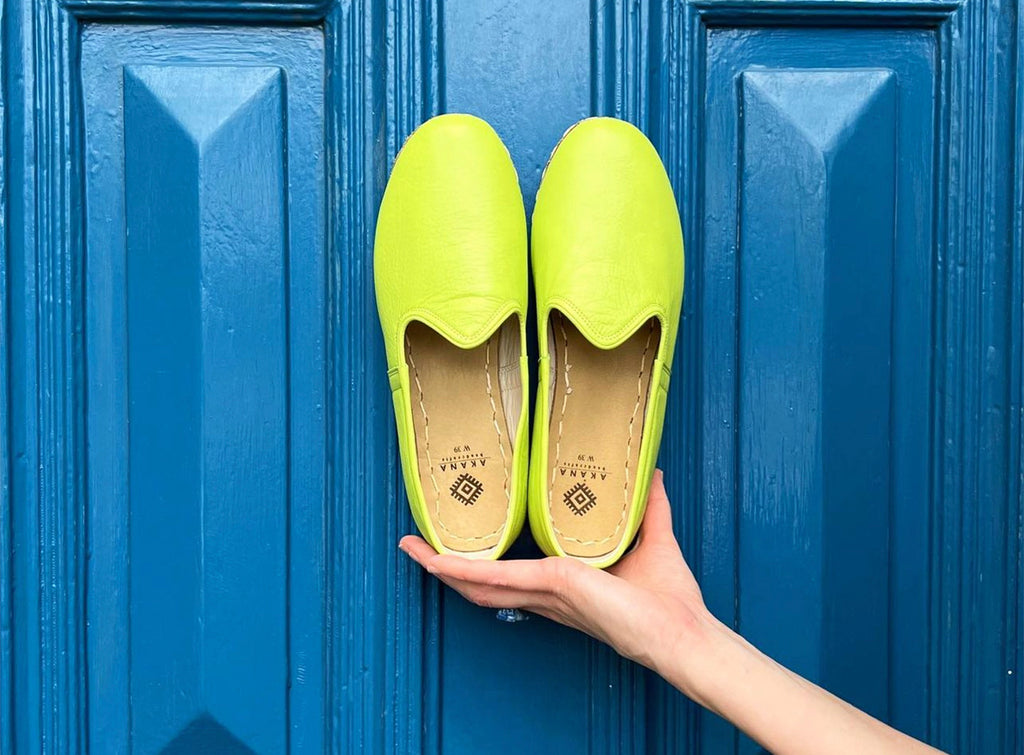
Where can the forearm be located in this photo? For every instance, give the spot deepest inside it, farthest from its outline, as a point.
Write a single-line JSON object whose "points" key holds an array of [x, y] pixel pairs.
{"points": [[785, 713]]}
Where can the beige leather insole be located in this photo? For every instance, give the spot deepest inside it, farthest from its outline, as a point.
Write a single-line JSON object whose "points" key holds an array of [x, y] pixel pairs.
{"points": [[463, 447], [598, 402]]}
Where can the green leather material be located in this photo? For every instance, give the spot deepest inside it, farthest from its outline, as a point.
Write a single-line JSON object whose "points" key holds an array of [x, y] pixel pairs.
{"points": [[607, 252], [450, 251]]}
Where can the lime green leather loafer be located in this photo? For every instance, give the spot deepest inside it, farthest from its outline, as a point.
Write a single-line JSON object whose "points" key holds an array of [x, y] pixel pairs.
{"points": [[607, 252], [450, 273]]}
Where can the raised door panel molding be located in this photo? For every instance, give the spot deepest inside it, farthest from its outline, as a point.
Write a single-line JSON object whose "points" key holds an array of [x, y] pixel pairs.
{"points": [[817, 262], [817, 239], [204, 327], [952, 642], [207, 408]]}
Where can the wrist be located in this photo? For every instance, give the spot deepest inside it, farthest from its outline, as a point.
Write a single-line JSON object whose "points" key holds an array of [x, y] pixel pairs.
{"points": [[693, 660]]}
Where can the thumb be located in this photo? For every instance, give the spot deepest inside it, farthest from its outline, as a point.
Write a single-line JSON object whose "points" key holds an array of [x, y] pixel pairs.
{"points": [[657, 523]]}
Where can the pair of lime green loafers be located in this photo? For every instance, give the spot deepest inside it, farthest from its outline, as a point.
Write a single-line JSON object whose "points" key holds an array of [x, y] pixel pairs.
{"points": [[450, 268]]}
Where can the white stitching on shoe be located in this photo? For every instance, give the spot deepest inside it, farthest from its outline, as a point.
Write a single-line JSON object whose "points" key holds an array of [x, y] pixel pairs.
{"points": [[561, 417], [426, 429], [494, 420], [632, 419]]}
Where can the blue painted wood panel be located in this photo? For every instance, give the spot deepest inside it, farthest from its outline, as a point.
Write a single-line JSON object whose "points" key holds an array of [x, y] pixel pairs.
{"points": [[816, 226], [816, 369], [204, 327], [199, 491]]}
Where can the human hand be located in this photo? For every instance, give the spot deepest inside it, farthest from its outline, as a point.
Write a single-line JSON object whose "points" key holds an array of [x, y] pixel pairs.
{"points": [[649, 608], [640, 606]]}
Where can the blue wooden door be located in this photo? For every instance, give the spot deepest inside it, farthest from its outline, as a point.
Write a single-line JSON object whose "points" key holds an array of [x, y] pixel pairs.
{"points": [[201, 499]]}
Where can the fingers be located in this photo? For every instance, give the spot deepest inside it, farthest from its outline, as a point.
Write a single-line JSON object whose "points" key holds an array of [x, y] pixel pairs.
{"points": [[560, 589], [499, 584], [491, 597], [657, 523], [526, 576], [446, 568], [543, 575], [416, 548], [541, 604]]}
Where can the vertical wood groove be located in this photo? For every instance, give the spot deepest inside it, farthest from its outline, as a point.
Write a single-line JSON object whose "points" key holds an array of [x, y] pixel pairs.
{"points": [[623, 53], [355, 675], [414, 91], [976, 630], [385, 79], [6, 550], [621, 59], [58, 313], [48, 542], [676, 127], [1015, 455]]}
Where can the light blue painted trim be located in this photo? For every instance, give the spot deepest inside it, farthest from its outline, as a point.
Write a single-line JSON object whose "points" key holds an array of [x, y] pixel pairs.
{"points": [[887, 13], [229, 11]]}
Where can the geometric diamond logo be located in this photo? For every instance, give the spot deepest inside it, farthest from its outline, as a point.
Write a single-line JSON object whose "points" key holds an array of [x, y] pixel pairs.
{"points": [[580, 499], [466, 489]]}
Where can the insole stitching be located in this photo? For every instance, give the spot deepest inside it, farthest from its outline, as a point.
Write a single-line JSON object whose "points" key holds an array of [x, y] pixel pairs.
{"points": [[430, 463], [632, 419], [561, 417], [494, 421], [426, 427], [629, 442]]}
